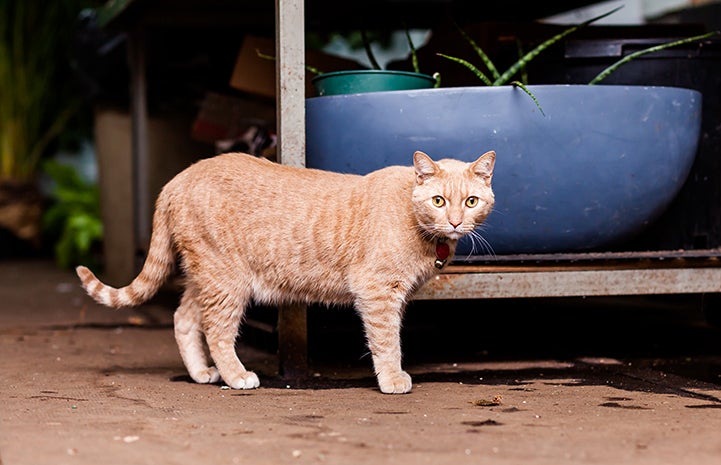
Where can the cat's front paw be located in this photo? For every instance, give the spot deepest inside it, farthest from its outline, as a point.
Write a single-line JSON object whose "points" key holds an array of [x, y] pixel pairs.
{"points": [[395, 383], [246, 380], [207, 376]]}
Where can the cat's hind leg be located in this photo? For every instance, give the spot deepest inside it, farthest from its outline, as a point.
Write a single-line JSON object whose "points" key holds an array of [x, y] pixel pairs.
{"points": [[222, 315], [189, 336]]}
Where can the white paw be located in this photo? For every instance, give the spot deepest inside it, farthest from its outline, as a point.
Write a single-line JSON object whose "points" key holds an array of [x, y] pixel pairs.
{"points": [[395, 383], [207, 376], [246, 380]]}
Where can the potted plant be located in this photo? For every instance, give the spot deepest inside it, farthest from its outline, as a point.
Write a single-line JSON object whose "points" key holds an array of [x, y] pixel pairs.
{"points": [[34, 105], [507, 77], [581, 167], [375, 79]]}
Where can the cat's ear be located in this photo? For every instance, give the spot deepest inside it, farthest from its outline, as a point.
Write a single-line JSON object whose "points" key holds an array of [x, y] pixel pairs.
{"points": [[483, 167], [424, 165]]}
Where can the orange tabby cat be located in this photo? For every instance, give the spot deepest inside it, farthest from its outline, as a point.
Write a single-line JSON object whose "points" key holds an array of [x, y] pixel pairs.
{"points": [[247, 229]]}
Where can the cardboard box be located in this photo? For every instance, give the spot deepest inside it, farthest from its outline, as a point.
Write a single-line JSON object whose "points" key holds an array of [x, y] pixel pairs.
{"points": [[224, 117], [256, 75]]}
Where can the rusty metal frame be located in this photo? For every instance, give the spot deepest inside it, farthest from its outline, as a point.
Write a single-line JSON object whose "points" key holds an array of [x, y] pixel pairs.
{"points": [[480, 284], [580, 274]]}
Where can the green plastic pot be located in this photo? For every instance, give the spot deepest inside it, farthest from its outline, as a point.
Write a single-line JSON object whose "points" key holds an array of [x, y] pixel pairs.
{"points": [[370, 80]]}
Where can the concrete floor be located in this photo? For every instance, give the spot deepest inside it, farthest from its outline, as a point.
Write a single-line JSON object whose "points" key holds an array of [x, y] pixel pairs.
{"points": [[594, 381]]}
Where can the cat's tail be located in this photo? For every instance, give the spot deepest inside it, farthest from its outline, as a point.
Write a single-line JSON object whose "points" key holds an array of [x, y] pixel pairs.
{"points": [[158, 266]]}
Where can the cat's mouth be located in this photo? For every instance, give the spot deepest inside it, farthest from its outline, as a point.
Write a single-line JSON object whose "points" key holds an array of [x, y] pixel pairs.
{"points": [[453, 234], [448, 231]]}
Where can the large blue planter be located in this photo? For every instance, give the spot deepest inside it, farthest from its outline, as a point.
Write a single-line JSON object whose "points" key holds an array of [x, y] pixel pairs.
{"points": [[594, 169]]}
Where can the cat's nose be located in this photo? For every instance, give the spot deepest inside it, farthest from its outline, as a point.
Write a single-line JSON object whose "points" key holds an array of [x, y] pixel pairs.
{"points": [[455, 225]]}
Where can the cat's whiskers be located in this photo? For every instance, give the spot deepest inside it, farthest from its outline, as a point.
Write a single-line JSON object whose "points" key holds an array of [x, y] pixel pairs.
{"points": [[426, 231], [483, 244]]}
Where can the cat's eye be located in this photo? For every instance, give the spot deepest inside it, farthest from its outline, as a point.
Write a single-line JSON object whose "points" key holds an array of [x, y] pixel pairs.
{"points": [[471, 201], [438, 201]]}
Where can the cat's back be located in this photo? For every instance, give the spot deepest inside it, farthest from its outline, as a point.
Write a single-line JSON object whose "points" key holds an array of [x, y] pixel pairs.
{"points": [[242, 174], [255, 194], [232, 167]]}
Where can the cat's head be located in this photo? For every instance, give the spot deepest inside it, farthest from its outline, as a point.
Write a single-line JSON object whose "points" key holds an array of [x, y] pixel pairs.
{"points": [[450, 197]]}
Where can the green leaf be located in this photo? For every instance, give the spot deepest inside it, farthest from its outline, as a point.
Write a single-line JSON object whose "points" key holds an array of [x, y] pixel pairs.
{"points": [[524, 60], [525, 89], [470, 66], [479, 51], [414, 56], [520, 64], [437, 77], [74, 217], [308, 68], [606, 72]]}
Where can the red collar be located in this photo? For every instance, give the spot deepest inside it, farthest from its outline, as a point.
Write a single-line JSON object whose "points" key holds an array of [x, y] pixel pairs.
{"points": [[442, 252]]}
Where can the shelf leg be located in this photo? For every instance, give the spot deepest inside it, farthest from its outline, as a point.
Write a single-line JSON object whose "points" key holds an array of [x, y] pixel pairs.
{"points": [[293, 341]]}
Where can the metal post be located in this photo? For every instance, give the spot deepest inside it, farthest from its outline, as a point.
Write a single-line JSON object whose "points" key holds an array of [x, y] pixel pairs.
{"points": [[290, 81], [290, 111], [139, 144]]}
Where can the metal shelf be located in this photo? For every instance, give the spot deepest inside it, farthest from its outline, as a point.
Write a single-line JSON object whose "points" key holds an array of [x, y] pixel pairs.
{"points": [[672, 272], [600, 274], [484, 282]]}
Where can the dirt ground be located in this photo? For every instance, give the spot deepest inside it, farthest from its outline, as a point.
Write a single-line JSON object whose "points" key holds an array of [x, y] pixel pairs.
{"points": [[602, 381]]}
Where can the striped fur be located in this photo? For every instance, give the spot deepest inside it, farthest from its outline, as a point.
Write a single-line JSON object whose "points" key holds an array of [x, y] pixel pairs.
{"points": [[248, 230], [157, 267]]}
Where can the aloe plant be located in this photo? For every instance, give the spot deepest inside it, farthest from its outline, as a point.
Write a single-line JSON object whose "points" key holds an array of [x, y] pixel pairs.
{"points": [[606, 72], [503, 79], [499, 79]]}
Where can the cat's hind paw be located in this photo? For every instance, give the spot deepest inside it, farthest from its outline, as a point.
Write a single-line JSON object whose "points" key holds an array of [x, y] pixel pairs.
{"points": [[396, 383], [209, 375], [246, 380]]}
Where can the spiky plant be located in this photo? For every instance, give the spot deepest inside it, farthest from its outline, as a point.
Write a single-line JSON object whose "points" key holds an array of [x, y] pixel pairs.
{"points": [[499, 79], [606, 72], [503, 79], [34, 103]]}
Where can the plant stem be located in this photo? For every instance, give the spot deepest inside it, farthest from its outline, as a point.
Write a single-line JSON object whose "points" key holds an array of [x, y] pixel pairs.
{"points": [[308, 68], [369, 51], [414, 56]]}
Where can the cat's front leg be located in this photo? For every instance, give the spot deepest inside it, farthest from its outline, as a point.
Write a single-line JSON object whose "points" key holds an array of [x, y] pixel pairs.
{"points": [[382, 322], [392, 380]]}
